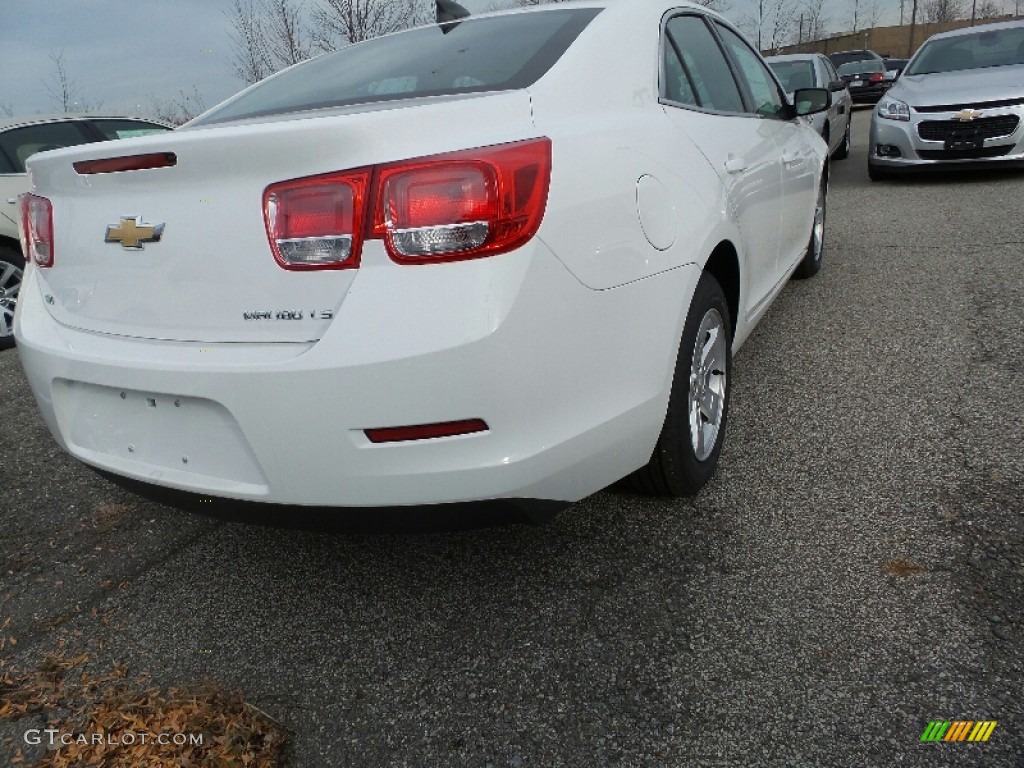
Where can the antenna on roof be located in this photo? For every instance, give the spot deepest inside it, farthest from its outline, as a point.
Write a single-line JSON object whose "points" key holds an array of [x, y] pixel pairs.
{"points": [[449, 10]]}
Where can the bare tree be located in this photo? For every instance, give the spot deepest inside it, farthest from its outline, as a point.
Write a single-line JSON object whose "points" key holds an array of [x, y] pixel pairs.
{"points": [[775, 24], [853, 20], [871, 14], [340, 22], [178, 109], [815, 20], [783, 23], [250, 59], [61, 89], [938, 11], [287, 36], [989, 9], [267, 35]]}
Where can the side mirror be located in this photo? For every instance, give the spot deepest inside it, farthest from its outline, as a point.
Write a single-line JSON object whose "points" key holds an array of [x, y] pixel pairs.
{"points": [[807, 101], [837, 85]]}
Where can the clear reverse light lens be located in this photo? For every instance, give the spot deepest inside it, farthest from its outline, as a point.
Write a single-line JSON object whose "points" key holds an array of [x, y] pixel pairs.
{"points": [[429, 241]]}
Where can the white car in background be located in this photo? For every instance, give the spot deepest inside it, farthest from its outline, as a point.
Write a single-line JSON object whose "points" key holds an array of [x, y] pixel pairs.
{"points": [[20, 138], [479, 260], [815, 70]]}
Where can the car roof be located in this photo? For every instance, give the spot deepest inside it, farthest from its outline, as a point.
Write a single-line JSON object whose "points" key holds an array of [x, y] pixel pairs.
{"points": [[795, 57], [966, 31], [17, 122]]}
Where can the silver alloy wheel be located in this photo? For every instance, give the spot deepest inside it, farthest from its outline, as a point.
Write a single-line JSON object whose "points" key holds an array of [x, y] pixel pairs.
{"points": [[10, 285], [707, 384], [818, 230]]}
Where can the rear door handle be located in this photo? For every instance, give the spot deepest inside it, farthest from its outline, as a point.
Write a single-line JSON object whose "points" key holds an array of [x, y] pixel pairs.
{"points": [[735, 165], [790, 160]]}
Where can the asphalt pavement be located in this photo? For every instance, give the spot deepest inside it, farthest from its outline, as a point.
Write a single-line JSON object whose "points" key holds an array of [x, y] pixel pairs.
{"points": [[854, 571]]}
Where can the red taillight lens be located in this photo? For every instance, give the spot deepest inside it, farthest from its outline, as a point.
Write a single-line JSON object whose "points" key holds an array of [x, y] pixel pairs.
{"points": [[426, 431], [36, 229], [463, 205], [317, 223], [127, 163], [875, 77]]}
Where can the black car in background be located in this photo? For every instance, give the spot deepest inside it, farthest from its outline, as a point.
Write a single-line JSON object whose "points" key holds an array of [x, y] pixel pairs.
{"points": [[893, 67], [866, 80], [842, 57]]}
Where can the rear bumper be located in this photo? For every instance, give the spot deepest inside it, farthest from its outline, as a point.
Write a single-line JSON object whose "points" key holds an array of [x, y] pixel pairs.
{"points": [[572, 383]]}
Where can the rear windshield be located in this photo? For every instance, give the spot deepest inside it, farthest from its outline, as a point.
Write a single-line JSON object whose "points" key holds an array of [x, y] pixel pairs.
{"points": [[844, 56], [487, 54], [990, 48], [861, 67]]}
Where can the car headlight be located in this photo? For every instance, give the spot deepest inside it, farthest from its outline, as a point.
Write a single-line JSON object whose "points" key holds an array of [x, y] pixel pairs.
{"points": [[893, 109]]}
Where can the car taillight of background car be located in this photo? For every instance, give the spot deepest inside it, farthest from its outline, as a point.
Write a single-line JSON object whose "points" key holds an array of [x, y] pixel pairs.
{"points": [[36, 229]]}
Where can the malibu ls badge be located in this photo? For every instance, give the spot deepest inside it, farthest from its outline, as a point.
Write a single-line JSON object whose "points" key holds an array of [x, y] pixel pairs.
{"points": [[131, 233], [288, 314]]}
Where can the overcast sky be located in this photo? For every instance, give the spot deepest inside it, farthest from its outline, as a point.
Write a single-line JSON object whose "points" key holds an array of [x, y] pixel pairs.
{"points": [[122, 54]]}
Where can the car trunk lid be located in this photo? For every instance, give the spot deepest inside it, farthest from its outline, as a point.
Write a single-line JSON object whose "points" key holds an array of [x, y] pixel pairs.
{"points": [[210, 275]]}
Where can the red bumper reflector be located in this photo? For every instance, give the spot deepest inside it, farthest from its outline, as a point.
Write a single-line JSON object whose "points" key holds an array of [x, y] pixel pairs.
{"points": [[127, 163], [426, 431]]}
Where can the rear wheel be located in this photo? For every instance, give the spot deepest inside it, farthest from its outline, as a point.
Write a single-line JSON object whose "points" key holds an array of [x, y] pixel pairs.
{"points": [[811, 262], [687, 451], [843, 150], [11, 270]]}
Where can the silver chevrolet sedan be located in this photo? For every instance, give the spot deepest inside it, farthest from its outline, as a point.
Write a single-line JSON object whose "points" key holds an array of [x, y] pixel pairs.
{"points": [[959, 103]]}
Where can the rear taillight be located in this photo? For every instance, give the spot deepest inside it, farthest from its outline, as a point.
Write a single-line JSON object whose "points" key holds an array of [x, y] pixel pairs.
{"points": [[875, 77], [36, 229], [461, 205], [317, 223]]}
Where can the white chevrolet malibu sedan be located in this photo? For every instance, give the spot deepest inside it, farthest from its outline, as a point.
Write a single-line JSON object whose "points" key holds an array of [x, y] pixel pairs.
{"points": [[506, 257]]}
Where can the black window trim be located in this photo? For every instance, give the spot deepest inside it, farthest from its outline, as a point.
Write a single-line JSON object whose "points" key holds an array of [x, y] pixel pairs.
{"points": [[662, 75], [741, 82]]}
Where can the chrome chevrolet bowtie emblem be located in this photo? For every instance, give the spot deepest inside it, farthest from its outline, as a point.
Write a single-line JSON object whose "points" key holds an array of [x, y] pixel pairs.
{"points": [[132, 233], [966, 115]]}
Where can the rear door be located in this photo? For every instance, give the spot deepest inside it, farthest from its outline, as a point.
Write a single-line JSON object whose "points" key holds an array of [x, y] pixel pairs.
{"points": [[703, 100], [793, 139]]}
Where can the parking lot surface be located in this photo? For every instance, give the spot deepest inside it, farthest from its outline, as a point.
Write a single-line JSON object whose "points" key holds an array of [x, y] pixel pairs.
{"points": [[852, 573]]}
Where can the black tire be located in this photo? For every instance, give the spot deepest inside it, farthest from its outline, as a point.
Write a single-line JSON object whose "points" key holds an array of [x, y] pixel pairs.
{"points": [[675, 469], [811, 262], [843, 150], [12, 266]]}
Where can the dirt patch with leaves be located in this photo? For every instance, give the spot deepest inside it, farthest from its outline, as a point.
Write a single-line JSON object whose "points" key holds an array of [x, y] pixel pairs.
{"points": [[111, 720]]}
